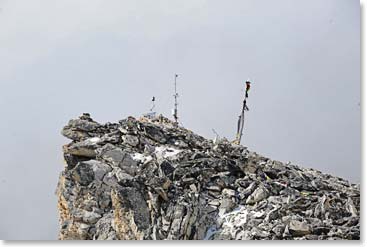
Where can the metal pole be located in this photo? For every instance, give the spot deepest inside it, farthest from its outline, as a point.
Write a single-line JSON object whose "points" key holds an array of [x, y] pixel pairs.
{"points": [[241, 121], [175, 84], [175, 115]]}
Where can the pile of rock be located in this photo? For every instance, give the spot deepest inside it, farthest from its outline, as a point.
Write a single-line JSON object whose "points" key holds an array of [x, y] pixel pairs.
{"points": [[149, 179]]}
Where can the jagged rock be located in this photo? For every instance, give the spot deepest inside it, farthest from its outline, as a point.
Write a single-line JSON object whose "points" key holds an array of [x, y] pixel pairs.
{"points": [[351, 208], [228, 202], [129, 165], [278, 230], [151, 179], [111, 180], [104, 229], [155, 133], [77, 129], [99, 169], [114, 156], [83, 173], [297, 228], [123, 177], [86, 148], [87, 217], [259, 194], [130, 140]]}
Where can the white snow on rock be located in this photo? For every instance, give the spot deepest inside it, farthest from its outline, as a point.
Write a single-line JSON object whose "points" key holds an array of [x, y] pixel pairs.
{"points": [[166, 152], [93, 140], [239, 217], [142, 158], [231, 220]]}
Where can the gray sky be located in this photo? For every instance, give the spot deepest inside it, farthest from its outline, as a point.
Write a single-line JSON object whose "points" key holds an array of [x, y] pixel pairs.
{"points": [[61, 58]]}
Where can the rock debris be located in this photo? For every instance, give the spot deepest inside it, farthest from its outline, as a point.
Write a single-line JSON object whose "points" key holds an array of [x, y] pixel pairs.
{"points": [[149, 179]]}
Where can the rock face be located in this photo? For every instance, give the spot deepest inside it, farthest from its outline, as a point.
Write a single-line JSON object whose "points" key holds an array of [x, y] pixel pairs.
{"points": [[149, 179]]}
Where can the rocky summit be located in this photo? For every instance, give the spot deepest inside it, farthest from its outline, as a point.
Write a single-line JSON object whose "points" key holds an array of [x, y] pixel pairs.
{"points": [[150, 179]]}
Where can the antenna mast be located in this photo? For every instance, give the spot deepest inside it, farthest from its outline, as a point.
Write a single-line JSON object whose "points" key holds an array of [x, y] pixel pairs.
{"points": [[241, 118], [153, 104], [175, 96]]}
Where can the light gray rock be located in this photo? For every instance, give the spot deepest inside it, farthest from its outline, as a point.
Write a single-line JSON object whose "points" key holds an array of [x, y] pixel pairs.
{"points": [[351, 208], [123, 177], [99, 168], [86, 148], [131, 140], [297, 228], [80, 128], [113, 156], [87, 216], [259, 194]]}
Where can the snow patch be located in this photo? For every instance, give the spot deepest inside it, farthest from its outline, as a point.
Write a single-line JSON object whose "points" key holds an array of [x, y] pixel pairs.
{"points": [[166, 152], [142, 158], [235, 218], [93, 140]]}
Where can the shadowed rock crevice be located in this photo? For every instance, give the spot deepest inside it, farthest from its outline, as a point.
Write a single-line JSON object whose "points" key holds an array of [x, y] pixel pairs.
{"points": [[147, 179]]}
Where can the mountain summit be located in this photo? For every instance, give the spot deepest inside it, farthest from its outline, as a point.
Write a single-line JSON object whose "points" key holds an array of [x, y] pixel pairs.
{"points": [[150, 179]]}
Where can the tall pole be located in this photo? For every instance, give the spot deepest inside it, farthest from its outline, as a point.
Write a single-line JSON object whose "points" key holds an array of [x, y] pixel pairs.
{"points": [[175, 115], [241, 119]]}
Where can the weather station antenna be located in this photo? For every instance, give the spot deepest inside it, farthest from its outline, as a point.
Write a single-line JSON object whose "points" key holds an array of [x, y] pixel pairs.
{"points": [[174, 111], [151, 114], [153, 104], [241, 117]]}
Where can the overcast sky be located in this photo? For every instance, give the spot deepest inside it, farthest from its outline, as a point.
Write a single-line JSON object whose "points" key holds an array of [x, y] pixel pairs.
{"points": [[61, 58]]}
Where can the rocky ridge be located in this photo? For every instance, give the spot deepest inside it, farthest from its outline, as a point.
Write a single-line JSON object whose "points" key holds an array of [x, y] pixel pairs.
{"points": [[149, 179]]}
